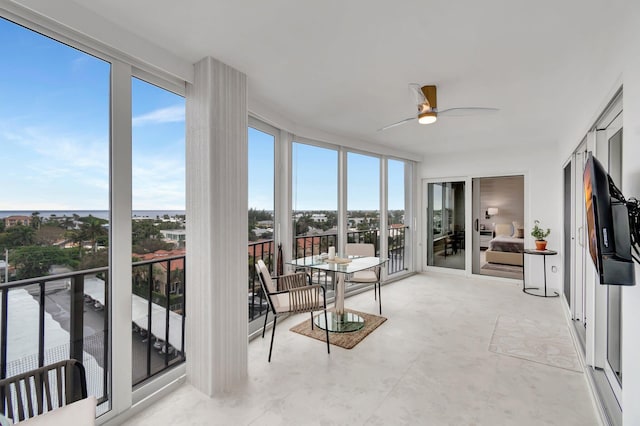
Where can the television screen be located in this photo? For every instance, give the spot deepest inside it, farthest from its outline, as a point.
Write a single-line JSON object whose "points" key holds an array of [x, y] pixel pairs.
{"points": [[607, 226]]}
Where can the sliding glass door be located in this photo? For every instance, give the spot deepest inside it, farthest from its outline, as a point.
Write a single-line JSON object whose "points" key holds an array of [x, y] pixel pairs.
{"points": [[445, 215], [498, 226]]}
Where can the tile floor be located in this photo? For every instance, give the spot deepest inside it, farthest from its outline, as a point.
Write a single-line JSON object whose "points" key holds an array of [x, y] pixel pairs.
{"points": [[429, 364]]}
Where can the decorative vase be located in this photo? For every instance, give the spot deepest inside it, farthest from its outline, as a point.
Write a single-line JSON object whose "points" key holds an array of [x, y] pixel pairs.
{"points": [[541, 245]]}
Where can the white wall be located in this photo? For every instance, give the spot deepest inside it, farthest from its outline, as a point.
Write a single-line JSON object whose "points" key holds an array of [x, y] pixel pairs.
{"points": [[542, 187], [620, 66]]}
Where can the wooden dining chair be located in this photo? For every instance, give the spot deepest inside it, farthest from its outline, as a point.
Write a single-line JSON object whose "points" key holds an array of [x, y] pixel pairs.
{"points": [[368, 276], [293, 295], [42, 390]]}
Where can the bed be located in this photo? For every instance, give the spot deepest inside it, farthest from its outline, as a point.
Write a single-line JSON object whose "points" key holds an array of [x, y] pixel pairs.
{"points": [[506, 248]]}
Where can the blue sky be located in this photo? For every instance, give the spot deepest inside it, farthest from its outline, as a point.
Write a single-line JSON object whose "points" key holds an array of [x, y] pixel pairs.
{"points": [[315, 177], [54, 140], [54, 131]]}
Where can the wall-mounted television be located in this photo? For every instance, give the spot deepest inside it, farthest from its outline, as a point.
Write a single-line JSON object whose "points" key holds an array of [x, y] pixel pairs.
{"points": [[608, 226]]}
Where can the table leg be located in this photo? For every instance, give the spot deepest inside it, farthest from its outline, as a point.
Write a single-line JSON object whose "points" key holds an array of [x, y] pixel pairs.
{"points": [[526, 289], [544, 263], [339, 299]]}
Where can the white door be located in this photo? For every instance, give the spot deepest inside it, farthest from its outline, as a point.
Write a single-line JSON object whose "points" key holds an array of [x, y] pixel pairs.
{"points": [[578, 305], [612, 136]]}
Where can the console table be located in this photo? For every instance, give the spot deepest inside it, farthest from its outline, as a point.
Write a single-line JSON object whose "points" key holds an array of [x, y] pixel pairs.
{"points": [[544, 254]]}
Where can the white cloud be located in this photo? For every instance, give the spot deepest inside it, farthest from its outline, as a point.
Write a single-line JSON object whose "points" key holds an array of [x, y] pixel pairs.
{"points": [[173, 114], [51, 169], [48, 169], [158, 182]]}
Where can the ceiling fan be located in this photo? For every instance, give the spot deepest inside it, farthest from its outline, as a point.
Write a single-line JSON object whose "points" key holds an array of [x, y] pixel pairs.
{"points": [[427, 100]]}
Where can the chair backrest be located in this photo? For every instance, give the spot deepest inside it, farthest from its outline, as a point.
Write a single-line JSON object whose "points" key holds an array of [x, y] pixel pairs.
{"points": [[360, 249], [267, 284], [265, 276], [41, 390]]}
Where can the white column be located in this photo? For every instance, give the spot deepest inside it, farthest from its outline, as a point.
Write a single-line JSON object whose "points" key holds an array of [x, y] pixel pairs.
{"points": [[284, 228], [216, 296], [120, 278], [342, 200], [383, 223]]}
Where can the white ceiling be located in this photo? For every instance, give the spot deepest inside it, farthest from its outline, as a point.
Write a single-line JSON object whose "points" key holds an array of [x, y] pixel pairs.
{"points": [[342, 66]]}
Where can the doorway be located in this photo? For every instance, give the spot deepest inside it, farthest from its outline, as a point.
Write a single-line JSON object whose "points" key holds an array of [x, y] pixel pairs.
{"points": [[498, 218], [446, 225]]}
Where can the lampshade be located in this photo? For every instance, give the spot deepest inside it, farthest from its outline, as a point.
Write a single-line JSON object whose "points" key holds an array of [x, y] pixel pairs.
{"points": [[427, 117], [492, 211]]}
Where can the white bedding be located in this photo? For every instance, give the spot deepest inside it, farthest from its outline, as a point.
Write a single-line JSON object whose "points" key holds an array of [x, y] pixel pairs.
{"points": [[506, 243]]}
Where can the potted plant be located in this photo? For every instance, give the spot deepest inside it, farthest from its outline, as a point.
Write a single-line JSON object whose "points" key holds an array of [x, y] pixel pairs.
{"points": [[540, 234]]}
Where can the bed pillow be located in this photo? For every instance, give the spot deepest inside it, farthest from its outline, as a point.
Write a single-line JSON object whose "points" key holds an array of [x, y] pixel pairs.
{"points": [[503, 229], [516, 226]]}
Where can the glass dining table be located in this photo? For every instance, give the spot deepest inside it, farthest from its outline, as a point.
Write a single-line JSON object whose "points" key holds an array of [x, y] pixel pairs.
{"points": [[339, 320]]}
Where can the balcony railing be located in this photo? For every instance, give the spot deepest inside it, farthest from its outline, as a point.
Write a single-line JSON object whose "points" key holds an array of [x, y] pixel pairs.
{"points": [[257, 301], [158, 312], [313, 245], [396, 247], [56, 317], [41, 323]]}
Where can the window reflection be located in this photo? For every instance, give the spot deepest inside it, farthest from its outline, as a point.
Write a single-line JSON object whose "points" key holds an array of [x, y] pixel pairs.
{"points": [[445, 216]]}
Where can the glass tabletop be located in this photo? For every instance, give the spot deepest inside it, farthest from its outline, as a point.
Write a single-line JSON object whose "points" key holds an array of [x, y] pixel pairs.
{"points": [[340, 323], [354, 264]]}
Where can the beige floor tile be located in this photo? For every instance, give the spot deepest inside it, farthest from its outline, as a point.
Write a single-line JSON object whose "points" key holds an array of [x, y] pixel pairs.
{"points": [[429, 364]]}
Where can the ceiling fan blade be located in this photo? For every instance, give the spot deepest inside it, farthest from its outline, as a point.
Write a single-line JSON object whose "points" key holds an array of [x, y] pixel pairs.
{"points": [[406, 120], [416, 94], [466, 111]]}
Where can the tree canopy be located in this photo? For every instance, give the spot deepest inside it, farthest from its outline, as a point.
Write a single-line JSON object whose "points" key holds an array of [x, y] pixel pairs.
{"points": [[35, 261]]}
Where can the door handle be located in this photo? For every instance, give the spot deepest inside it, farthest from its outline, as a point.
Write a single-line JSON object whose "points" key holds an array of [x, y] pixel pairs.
{"points": [[477, 220], [581, 236]]}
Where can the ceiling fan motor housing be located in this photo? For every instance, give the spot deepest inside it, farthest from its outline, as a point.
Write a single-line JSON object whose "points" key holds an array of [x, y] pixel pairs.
{"points": [[429, 92]]}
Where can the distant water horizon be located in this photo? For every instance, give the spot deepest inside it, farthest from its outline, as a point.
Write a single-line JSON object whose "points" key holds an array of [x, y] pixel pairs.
{"points": [[102, 214]]}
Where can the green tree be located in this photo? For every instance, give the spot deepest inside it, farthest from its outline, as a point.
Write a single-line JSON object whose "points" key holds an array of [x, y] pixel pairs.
{"points": [[49, 234], [144, 230], [92, 230], [35, 261], [17, 236], [150, 246], [66, 223], [76, 237], [94, 260], [258, 215], [36, 220]]}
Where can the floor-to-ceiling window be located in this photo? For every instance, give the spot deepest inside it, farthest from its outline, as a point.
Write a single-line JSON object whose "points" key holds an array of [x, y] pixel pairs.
{"points": [[158, 228], [55, 205], [363, 199], [314, 198], [397, 219], [261, 232]]}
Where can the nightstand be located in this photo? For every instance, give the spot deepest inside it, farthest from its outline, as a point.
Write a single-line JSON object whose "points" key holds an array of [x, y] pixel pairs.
{"points": [[485, 236]]}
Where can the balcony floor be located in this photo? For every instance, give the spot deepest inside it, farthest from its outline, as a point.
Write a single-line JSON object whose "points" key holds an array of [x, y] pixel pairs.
{"points": [[428, 364]]}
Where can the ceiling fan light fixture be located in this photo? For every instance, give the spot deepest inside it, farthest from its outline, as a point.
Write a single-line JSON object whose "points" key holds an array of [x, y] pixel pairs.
{"points": [[428, 117]]}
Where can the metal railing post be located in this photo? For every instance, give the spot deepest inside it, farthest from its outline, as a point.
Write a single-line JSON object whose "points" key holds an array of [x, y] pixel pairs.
{"points": [[76, 326], [166, 317], [41, 303], [149, 312], [3, 334]]}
